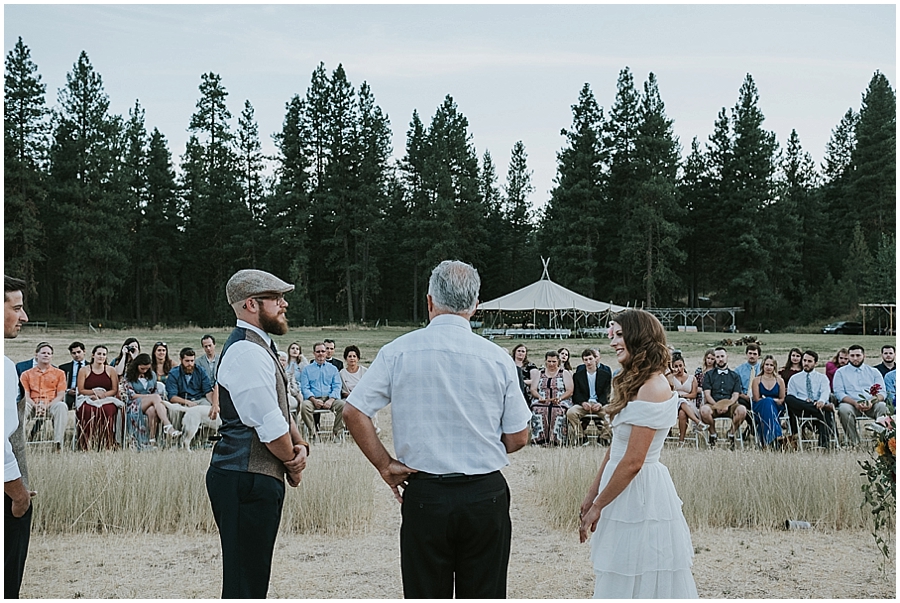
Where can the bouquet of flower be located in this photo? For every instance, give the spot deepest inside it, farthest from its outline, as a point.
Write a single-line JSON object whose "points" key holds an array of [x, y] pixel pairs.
{"points": [[866, 402], [881, 490]]}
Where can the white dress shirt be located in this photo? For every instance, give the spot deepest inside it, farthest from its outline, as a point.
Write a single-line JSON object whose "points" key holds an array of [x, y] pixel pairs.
{"points": [[452, 395], [10, 419], [246, 371], [820, 388]]}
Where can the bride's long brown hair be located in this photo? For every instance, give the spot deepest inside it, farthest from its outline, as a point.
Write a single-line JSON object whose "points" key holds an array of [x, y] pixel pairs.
{"points": [[645, 340]]}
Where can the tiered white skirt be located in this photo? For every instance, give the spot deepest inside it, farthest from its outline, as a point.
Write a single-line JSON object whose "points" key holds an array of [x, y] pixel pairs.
{"points": [[642, 547]]}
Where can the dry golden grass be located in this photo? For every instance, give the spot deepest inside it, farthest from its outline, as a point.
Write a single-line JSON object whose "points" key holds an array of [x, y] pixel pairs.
{"points": [[165, 492], [724, 489]]}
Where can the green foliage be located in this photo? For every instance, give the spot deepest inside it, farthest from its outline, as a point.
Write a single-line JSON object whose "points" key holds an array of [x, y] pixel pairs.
{"points": [[880, 489], [101, 228]]}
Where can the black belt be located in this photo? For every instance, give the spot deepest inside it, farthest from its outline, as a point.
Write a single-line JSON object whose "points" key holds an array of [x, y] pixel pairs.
{"points": [[448, 476]]}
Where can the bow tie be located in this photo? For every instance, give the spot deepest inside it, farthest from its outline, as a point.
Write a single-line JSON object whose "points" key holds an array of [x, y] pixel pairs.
{"points": [[723, 371]]}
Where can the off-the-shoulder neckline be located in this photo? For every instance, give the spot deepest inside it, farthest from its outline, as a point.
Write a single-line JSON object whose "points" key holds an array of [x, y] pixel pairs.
{"points": [[674, 395]]}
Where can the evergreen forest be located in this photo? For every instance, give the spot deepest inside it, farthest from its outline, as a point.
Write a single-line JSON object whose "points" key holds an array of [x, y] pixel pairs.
{"points": [[107, 224]]}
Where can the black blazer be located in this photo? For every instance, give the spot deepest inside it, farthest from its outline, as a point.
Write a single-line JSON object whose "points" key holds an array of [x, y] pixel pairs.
{"points": [[67, 369], [338, 364], [582, 391]]}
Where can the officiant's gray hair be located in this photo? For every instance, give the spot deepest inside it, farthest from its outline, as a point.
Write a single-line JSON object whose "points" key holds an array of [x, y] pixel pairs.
{"points": [[454, 287]]}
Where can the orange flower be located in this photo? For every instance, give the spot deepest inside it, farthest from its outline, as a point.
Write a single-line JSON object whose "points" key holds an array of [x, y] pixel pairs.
{"points": [[879, 448], [892, 444]]}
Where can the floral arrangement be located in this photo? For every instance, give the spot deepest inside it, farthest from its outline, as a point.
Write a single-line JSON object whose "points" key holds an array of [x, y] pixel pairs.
{"points": [[881, 490], [868, 401]]}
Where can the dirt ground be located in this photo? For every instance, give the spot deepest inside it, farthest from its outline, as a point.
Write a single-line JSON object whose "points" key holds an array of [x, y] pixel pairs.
{"points": [[545, 563]]}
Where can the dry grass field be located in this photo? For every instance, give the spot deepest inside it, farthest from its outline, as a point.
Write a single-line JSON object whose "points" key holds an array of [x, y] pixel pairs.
{"points": [[138, 525]]}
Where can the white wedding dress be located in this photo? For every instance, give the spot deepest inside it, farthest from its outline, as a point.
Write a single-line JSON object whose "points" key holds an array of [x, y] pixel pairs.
{"points": [[642, 546]]}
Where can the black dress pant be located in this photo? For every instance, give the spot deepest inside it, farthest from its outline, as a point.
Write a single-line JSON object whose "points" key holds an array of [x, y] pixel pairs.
{"points": [[16, 536], [247, 509], [456, 532], [802, 408]]}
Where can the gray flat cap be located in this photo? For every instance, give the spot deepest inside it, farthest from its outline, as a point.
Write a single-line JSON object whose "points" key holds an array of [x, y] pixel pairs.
{"points": [[248, 283]]}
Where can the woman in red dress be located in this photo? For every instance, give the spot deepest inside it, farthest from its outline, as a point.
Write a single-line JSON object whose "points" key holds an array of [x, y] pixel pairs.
{"points": [[97, 402]]}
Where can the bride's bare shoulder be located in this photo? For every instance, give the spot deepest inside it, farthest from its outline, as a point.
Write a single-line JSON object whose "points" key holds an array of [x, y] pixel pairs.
{"points": [[656, 389]]}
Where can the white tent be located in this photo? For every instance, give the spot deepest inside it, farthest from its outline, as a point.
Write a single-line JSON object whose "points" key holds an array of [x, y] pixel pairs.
{"points": [[548, 297]]}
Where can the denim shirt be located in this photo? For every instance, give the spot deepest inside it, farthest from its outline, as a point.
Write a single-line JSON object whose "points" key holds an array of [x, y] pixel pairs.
{"points": [[191, 387]]}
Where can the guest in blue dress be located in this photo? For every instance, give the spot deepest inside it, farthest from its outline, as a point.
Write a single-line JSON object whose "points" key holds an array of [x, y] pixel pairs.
{"points": [[768, 395]]}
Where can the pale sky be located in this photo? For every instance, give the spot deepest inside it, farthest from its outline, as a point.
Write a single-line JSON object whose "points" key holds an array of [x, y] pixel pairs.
{"points": [[513, 70]]}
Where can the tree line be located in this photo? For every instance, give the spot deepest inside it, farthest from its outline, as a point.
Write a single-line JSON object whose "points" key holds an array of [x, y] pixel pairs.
{"points": [[103, 225]]}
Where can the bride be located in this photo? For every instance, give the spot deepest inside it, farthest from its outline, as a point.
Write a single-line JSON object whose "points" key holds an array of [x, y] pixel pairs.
{"points": [[641, 546]]}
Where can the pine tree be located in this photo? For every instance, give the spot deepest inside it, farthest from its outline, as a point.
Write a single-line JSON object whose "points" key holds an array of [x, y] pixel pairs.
{"points": [[796, 219], [84, 158], [522, 260], [873, 184], [745, 253], [578, 200], [25, 131], [371, 196], [162, 233], [696, 198], [649, 234], [132, 178], [214, 214], [289, 211], [251, 166]]}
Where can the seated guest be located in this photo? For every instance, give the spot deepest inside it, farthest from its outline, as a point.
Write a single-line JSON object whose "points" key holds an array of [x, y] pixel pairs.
{"points": [[564, 359], [209, 361], [708, 364], [551, 391], [520, 357], [44, 387], [352, 371], [887, 360], [890, 387], [329, 354], [841, 358], [130, 349], [97, 401], [76, 350], [808, 396], [143, 400], [320, 385], [162, 364], [590, 393], [793, 365], [721, 388], [296, 361], [748, 372], [294, 398], [686, 387], [852, 387], [191, 397], [769, 391]]}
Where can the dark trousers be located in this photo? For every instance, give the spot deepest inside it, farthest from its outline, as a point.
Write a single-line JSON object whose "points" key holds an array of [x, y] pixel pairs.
{"points": [[802, 408], [455, 532], [16, 535], [247, 509]]}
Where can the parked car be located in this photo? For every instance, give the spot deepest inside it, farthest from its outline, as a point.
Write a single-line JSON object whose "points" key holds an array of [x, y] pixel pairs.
{"points": [[844, 327]]}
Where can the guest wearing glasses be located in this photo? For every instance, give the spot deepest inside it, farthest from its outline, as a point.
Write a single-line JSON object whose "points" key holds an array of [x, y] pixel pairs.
{"points": [[320, 384]]}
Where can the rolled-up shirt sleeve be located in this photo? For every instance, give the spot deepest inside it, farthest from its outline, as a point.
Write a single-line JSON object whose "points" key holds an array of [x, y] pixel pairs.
{"points": [[10, 419], [373, 392], [247, 372], [516, 414]]}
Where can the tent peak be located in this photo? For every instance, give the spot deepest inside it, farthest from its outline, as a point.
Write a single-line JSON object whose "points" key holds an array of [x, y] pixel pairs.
{"points": [[545, 275]]}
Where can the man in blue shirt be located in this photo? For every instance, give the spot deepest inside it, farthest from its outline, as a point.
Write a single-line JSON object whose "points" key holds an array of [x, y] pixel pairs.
{"points": [[320, 385], [890, 386], [187, 387], [852, 387]]}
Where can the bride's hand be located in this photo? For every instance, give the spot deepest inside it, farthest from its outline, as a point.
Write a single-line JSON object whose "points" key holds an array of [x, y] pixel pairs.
{"points": [[588, 523]]}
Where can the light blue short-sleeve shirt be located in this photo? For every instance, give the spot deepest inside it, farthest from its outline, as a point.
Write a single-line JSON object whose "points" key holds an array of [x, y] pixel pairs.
{"points": [[452, 395]]}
